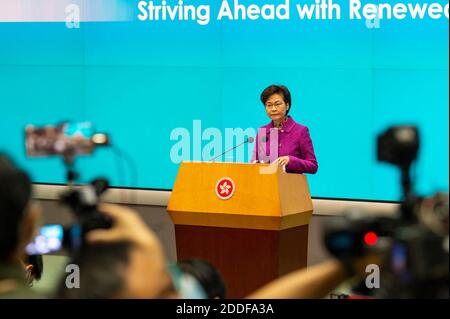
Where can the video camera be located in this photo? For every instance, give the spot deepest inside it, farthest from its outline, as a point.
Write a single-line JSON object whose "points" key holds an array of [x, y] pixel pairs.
{"points": [[414, 242], [82, 202], [69, 140]]}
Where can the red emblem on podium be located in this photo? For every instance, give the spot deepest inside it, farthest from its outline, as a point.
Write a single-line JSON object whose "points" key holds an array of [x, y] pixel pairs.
{"points": [[225, 188]]}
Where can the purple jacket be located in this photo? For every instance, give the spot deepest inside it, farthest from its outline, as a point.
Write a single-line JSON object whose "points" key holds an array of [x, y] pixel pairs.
{"points": [[293, 140]]}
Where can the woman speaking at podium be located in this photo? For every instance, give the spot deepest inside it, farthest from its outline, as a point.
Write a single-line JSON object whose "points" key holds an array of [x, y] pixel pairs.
{"points": [[291, 147]]}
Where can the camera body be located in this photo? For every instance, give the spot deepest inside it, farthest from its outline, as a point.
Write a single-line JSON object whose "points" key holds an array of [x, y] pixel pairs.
{"points": [[69, 140], [414, 257], [83, 204], [413, 243]]}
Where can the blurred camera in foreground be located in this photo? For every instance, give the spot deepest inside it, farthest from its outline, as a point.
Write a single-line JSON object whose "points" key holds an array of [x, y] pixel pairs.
{"points": [[69, 140], [413, 244]]}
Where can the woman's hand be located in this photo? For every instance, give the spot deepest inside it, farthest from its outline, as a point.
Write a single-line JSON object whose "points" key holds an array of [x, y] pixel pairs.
{"points": [[282, 161]]}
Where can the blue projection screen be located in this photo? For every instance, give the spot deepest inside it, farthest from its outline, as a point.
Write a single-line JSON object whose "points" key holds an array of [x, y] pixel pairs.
{"points": [[144, 81]]}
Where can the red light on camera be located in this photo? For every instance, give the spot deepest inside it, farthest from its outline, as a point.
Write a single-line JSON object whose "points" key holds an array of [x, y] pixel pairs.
{"points": [[370, 238]]}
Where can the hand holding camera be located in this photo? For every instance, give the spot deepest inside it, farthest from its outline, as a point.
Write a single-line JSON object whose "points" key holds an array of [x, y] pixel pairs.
{"points": [[126, 226]]}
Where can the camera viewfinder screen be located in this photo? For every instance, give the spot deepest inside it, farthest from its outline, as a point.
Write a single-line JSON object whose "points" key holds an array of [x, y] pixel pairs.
{"points": [[49, 239], [66, 138]]}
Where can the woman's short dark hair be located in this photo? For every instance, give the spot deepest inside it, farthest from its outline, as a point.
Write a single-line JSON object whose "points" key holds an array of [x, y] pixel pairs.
{"points": [[38, 266], [207, 275], [15, 194], [277, 89], [102, 268]]}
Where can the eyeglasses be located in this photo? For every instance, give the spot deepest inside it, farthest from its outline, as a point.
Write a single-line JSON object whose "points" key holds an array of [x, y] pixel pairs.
{"points": [[277, 105]]}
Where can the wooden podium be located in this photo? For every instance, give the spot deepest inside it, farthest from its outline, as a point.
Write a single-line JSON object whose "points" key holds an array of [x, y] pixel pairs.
{"points": [[249, 220]]}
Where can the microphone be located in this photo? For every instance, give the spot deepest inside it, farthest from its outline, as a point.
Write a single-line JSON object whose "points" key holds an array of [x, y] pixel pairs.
{"points": [[249, 139], [262, 139]]}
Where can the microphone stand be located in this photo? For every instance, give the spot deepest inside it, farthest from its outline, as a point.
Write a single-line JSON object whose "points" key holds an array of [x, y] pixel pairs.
{"points": [[248, 140]]}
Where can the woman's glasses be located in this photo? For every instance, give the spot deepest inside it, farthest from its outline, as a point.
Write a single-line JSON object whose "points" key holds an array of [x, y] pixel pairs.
{"points": [[277, 105]]}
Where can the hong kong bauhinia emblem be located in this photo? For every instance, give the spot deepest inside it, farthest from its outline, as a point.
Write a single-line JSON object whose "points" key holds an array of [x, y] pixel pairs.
{"points": [[225, 188]]}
